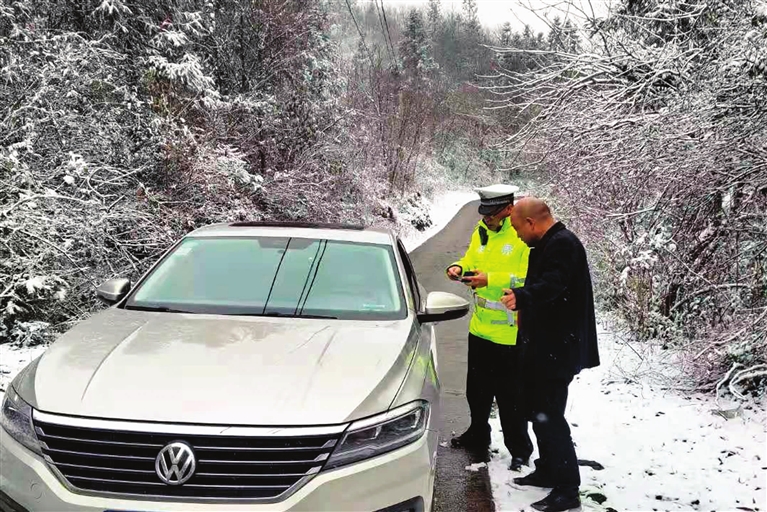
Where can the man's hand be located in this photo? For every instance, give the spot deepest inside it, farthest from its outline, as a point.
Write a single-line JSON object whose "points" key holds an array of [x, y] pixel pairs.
{"points": [[454, 272], [478, 280], [509, 299]]}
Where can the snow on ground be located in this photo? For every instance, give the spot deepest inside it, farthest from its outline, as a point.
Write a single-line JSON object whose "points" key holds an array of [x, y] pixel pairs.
{"points": [[660, 450], [13, 360]]}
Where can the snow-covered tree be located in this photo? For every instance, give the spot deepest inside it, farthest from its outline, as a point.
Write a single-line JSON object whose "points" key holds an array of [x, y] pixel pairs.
{"points": [[415, 49], [434, 17], [654, 136]]}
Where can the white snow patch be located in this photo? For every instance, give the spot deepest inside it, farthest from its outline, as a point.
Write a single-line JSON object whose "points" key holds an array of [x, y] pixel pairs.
{"points": [[13, 359], [660, 450], [35, 283]]}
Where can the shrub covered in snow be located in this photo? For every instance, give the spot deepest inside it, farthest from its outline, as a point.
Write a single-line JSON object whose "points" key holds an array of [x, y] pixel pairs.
{"points": [[654, 138], [130, 123], [118, 139]]}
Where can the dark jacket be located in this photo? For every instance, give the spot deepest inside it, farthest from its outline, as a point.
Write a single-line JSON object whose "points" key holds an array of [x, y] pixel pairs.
{"points": [[556, 306]]}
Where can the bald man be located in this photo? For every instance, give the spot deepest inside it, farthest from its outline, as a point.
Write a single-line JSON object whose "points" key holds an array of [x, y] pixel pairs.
{"points": [[558, 332]]}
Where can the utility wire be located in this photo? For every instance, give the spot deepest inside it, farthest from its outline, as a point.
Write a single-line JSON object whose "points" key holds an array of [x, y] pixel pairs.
{"points": [[387, 35], [383, 32], [362, 37]]}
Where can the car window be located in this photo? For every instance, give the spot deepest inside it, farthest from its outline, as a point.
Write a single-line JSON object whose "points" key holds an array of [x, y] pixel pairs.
{"points": [[275, 276], [411, 276]]}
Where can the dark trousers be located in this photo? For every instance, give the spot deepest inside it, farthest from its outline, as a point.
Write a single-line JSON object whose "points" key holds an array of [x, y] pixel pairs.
{"points": [[494, 373], [547, 399]]}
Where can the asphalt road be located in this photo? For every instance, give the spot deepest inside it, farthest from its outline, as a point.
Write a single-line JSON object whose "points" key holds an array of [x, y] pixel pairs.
{"points": [[456, 489]]}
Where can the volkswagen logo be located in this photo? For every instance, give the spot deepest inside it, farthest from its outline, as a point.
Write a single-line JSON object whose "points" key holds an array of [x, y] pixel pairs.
{"points": [[175, 464]]}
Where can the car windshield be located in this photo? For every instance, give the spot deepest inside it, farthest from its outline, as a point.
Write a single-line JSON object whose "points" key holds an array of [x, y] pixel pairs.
{"points": [[273, 276]]}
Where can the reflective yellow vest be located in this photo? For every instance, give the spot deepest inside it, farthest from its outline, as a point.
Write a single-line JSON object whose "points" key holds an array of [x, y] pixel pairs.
{"points": [[503, 257]]}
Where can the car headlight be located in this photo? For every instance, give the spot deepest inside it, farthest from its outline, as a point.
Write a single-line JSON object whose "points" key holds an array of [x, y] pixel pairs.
{"points": [[16, 419], [381, 434]]}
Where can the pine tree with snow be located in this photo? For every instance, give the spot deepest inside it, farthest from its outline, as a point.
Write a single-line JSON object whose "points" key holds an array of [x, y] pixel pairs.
{"points": [[415, 48], [434, 17]]}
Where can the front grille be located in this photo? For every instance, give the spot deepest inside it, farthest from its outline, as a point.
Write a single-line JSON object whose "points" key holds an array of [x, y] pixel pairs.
{"points": [[106, 460]]}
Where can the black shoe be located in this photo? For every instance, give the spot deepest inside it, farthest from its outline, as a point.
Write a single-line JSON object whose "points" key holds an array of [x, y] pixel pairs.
{"points": [[559, 500], [534, 479], [517, 463], [472, 440]]}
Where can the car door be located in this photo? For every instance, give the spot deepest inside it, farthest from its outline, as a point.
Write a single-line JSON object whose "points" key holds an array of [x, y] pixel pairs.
{"points": [[418, 293]]}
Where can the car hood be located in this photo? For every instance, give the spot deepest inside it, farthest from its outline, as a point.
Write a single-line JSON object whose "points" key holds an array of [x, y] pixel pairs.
{"points": [[206, 369]]}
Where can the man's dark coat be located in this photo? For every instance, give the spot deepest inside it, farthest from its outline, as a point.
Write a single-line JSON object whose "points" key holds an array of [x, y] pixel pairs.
{"points": [[556, 304]]}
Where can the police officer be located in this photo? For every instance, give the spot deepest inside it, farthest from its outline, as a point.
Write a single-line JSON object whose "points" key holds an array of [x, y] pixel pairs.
{"points": [[496, 259]]}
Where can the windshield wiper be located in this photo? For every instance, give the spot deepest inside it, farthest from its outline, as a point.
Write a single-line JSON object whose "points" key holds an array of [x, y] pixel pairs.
{"points": [[291, 315], [159, 309]]}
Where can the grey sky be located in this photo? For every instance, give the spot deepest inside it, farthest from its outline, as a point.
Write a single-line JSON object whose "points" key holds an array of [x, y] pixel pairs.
{"points": [[493, 13]]}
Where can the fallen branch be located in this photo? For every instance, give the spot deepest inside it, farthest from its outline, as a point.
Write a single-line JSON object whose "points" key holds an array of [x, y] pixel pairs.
{"points": [[759, 370], [723, 380]]}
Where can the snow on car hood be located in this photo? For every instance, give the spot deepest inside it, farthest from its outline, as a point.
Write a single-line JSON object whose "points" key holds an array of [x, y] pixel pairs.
{"points": [[135, 365]]}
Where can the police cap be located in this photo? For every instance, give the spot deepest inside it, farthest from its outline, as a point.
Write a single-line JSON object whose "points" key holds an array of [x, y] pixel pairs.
{"points": [[495, 197]]}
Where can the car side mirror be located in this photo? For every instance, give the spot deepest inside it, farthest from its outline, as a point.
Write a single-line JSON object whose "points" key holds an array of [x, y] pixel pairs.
{"points": [[443, 306], [114, 290]]}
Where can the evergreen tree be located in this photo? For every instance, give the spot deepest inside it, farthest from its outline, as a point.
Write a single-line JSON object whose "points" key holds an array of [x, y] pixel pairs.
{"points": [[434, 17], [555, 39], [571, 38], [505, 35], [449, 47], [471, 34], [415, 49], [506, 40], [528, 39], [470, 17]]}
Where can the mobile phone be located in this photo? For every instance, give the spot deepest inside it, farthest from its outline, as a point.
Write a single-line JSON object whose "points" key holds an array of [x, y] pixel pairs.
{"points": [[469, 273]]}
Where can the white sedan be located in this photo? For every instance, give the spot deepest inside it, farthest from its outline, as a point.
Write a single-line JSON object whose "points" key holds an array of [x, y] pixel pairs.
{"points": [[256, 366]]}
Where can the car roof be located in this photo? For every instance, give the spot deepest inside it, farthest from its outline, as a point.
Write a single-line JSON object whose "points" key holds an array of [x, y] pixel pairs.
{"points": [[328, 231]]}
